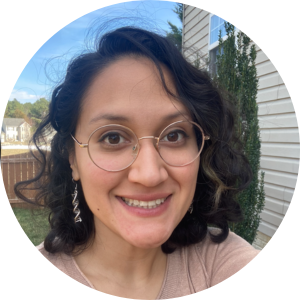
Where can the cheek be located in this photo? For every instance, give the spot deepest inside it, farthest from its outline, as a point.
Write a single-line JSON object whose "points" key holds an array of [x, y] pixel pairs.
{"points": [[97, 183], [187, 177]]}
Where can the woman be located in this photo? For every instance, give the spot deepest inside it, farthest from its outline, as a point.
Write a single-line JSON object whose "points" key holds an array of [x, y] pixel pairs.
{"points": [[141, 163]]}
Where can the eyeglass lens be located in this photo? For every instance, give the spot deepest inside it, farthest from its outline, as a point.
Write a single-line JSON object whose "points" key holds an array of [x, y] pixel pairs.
{"points": [[115, 147]]}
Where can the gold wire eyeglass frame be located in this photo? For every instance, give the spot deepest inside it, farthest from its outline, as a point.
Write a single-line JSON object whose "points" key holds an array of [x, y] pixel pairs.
{"points": [[82, 145]]}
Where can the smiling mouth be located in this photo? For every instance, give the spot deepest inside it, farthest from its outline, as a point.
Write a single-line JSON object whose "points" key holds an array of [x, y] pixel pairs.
{"points": [[144, 204]]}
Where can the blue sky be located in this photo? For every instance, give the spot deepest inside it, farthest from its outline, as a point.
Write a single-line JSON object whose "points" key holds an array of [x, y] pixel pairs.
{"points": [[48, 64]]}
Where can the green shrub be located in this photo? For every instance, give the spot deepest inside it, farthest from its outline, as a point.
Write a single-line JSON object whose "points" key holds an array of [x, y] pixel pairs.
{"points": [[236, 72]]}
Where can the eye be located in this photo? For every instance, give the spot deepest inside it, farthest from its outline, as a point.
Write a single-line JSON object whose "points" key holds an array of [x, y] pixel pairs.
{"points": [[112, 138], [174, 136]]}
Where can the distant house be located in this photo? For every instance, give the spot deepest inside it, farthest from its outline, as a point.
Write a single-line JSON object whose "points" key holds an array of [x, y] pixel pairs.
{"points": [[15, 129], [2, 135]]}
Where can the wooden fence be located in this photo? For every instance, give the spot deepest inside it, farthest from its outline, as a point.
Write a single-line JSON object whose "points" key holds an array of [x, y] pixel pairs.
{"points": [[17, 168]]}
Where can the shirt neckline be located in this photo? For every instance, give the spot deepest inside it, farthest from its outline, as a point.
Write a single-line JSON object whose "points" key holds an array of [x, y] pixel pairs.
{"points": [[92, 286]]}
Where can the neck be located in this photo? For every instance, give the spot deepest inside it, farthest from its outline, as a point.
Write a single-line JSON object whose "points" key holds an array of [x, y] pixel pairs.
{"points": [[124, 266]]}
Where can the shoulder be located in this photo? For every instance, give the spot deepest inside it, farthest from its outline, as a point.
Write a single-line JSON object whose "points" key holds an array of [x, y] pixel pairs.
{"points": [[64, 263], [223, 260], [197, 267], [59, 260], [233, 244]]}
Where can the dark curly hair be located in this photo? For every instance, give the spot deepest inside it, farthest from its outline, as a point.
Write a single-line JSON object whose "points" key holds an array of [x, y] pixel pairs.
{"points": [[223, 172]]}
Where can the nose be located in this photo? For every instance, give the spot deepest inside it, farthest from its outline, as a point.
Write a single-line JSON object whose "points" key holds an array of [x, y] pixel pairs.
{"points": [[148, 169]]}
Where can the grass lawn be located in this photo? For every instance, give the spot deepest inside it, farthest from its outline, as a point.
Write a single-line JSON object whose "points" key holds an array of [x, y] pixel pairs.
{"points": [[34, 223], [6, 152]]}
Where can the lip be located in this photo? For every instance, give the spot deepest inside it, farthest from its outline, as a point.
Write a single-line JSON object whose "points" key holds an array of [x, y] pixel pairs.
{"points": [[141, 212]]}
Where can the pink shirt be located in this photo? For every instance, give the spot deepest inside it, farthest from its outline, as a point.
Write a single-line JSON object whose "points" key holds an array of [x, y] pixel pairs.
{"points": [[189, 269]]}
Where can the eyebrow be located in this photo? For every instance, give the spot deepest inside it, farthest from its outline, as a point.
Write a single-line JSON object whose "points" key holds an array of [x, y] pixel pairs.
{"points": [[109, 117], [119, 118]]}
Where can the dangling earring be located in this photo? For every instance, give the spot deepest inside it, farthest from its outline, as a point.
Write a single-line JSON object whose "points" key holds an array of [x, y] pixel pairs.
{"points": [[190, 210], [75, 203]]}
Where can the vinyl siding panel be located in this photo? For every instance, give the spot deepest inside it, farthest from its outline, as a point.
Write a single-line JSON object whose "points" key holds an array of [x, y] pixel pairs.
{"points": [[278, 121], [268, 80], [274, 205], [280, 150], [279, 106], [272, 93], [280, 164], [193, 13], [279, 192], [285, 207], [279, 135], [194, 40], [197, 22], [280, 178], [267, 228], [195, 33], [265, 67], [279, 131], [271, 217], [261, 57], [197, 26], [188, 9], [197, 47]]}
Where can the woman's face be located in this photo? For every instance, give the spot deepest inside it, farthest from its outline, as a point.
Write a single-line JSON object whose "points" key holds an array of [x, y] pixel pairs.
{"points": [[129, 92]]}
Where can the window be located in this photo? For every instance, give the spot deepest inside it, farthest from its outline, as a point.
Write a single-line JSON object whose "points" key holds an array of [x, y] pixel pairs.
{"points": [[216, 24], [213, 59]]}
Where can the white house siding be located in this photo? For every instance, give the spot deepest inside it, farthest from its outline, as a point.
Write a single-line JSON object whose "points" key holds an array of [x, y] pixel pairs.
{"points": [[11, 133], [280, 143], [195, 32], [24, 132], [277, 120]]}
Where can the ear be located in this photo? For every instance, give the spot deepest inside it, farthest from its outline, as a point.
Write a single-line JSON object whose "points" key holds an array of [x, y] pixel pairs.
{"points": [[74, 166]]}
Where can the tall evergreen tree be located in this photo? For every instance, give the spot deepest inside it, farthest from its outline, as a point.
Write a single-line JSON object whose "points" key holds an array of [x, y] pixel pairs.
{"points": [[175, 35], [236, 72]]}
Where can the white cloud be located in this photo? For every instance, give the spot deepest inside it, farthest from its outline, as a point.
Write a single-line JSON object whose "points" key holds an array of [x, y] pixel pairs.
{"points": [[23, 96]]}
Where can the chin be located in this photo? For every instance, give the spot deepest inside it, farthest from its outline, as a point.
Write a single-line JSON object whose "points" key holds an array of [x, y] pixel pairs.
{"points": [[149, 241], [147, 245]]}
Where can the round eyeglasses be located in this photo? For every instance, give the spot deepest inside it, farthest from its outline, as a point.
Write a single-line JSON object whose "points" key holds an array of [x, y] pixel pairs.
{"points": [[115, 147]]}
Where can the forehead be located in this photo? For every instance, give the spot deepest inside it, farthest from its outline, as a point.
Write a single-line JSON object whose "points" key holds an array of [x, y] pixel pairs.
{"points": [[132, 88]]}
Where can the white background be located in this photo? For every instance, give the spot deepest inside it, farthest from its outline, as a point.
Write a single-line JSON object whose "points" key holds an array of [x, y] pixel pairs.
{"points": [[26, 25]]}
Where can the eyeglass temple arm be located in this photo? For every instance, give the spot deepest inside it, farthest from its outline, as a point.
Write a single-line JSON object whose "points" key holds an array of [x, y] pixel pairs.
{"points": [[80, 144]]}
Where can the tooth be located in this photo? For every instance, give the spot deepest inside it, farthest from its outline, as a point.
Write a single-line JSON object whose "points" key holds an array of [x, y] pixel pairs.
{"points": [[151, 203], [144, 204]]}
